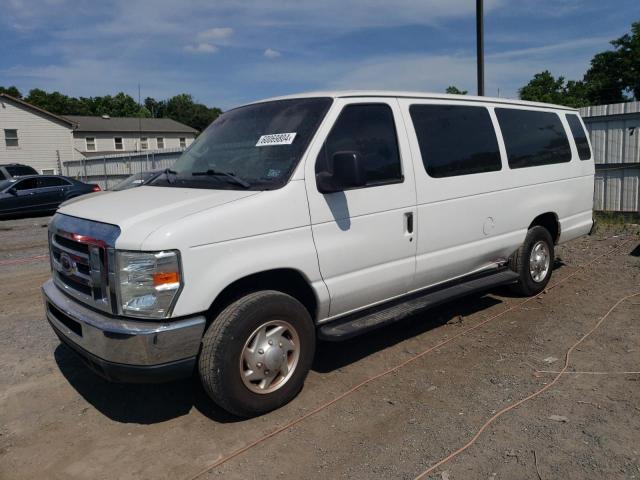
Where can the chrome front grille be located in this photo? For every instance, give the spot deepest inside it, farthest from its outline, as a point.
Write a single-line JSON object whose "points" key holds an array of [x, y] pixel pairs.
{"points": [[82, 259]]}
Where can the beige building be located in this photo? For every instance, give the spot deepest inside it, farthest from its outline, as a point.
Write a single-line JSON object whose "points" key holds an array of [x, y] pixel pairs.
{"points": [[96, 136], [34, 137]]}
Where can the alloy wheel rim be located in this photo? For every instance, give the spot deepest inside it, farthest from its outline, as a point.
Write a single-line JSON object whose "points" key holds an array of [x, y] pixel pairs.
{"points": [[269, 356], [539, 261]]}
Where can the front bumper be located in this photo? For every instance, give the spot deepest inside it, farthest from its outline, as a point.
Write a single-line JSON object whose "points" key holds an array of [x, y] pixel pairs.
{"points": [[124, 350]]}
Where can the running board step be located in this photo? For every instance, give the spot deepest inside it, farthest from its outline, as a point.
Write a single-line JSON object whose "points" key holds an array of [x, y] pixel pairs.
{"points": [[379, 316]]}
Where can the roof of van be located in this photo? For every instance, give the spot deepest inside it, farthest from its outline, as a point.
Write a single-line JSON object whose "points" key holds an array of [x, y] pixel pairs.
{"points": [[409, 94]]}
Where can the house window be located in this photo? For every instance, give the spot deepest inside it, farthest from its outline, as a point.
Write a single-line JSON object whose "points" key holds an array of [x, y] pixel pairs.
{"points": [[11, 138], [183, 142], [144, 143], [118, 143], [160, 142], [48, 171], [91, 144]]}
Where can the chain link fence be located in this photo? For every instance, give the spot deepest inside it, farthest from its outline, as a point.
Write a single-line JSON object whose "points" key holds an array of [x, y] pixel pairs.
{"points": [[108, 170]]}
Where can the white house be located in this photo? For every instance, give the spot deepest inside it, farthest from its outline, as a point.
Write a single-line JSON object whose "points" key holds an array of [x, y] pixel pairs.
{"points": [[33, 136], [96, 136]]}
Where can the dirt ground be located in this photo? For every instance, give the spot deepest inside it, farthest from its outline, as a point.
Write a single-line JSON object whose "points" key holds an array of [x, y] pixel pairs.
{"points": [[60, 421]]}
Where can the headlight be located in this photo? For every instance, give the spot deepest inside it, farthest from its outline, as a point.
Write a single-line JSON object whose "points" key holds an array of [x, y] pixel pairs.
{"points": [[148, 282]]}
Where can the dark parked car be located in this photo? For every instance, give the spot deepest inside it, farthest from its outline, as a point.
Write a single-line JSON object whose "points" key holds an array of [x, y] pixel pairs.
{"points": [[10, 170], [137, 180], [38, 194]]}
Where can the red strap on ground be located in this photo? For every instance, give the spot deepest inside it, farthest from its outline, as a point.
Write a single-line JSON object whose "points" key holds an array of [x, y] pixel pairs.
{"points": [[17, 261], [357, 387]]}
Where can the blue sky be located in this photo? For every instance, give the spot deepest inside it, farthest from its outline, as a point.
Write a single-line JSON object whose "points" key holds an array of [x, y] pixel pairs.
{"points": [[226, 52]]}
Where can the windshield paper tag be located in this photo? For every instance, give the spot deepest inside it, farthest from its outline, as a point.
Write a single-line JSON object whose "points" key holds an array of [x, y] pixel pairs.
{"points": [[276, 139]]}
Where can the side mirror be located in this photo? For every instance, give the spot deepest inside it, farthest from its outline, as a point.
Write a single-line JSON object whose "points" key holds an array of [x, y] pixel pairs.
{"points": [[12, 191], [347, 171]]}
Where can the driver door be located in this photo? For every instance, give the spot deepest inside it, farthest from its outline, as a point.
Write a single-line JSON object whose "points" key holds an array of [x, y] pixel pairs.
{"points": [[364, 236], [23, 199]]}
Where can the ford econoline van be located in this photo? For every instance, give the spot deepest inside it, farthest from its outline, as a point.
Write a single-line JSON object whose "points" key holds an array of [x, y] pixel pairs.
{"points": [[314, 216]]}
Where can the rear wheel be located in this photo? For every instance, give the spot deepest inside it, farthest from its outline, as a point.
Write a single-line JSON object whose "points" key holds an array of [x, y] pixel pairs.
{"points": [[533, 262], [257, 353]]}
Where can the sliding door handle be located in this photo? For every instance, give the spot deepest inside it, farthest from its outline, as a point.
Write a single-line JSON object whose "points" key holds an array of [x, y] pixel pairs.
{"points": [[409, 221]]}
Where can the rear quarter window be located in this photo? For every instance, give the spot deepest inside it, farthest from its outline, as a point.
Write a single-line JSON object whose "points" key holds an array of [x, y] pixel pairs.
{"points": [[579, 137], [20, 170], [533, 138], [455, 139]]}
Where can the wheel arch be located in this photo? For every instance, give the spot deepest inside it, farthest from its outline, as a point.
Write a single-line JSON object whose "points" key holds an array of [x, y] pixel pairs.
{"points": [[285, 280], [549, 221]]}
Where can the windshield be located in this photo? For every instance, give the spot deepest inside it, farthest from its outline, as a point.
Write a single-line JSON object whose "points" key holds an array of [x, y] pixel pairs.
{"points": [[258, 144]]}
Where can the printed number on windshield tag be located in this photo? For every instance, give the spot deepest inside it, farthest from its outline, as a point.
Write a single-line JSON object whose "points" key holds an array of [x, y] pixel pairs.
{"points": [[276, 139]]}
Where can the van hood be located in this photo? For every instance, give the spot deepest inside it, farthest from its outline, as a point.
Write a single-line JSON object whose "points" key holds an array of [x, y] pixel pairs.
{"points": [[142, 210]]}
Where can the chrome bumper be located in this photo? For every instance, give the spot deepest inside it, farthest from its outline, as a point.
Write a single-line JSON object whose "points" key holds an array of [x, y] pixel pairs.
{"points": [[108, 340]]}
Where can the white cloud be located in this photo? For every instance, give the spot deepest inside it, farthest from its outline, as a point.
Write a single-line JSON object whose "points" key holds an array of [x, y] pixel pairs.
{"points": [[271, 53], [201, 48], [217, 33]]}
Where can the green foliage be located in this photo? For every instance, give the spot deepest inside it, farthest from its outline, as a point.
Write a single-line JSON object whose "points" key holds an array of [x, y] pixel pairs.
{"points": [[181, 108], [544, 87], [12, 90], [613, 77], [453, 90]]}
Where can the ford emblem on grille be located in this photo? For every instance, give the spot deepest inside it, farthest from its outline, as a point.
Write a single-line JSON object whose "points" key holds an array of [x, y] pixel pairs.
{"points": [[67, 264]]}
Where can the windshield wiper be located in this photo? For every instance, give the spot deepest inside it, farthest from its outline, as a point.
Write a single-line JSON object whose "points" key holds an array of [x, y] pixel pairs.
{"points": [[230, 176], [167, 172]]}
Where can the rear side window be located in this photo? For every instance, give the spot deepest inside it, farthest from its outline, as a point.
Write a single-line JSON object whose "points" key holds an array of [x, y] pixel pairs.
{"points": [[455, 140], [52, 182], [533, 138], [370, 130], [580, 137], [19, 170]]}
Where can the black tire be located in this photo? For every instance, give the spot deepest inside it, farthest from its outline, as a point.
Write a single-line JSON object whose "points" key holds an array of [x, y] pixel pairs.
{"points": [[519, 262], [224, 341]]}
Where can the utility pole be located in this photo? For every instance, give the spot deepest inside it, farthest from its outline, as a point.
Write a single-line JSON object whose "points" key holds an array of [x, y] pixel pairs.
{"points": [[480, 45], [139, 122]]}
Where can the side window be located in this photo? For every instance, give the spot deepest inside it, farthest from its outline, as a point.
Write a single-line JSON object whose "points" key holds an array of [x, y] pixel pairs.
{"points": [[52, 182], [370, 130], [27, 184], [19, 170], [579, 136], [533, 138], [455, 140]]}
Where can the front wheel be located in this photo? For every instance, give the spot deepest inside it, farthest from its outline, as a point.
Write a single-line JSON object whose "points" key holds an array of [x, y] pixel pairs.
{"points": [[256, 354], [533, 262]]}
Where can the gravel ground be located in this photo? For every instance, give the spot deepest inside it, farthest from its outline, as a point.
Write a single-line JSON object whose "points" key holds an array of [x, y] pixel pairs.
{"points": [[58, 420]]}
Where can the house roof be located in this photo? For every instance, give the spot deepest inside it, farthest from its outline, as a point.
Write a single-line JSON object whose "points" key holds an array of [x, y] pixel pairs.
{"points": [[28, 106], [128, 124]]}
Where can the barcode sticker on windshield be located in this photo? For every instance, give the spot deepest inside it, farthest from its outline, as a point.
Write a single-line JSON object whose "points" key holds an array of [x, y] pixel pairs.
{"points": [[276, 139]]}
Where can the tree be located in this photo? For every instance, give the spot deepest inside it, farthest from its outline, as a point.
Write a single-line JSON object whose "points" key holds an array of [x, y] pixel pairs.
{"points": [[12, 91], [453, 90], [544, 87], [181, 108], [613, 77]]}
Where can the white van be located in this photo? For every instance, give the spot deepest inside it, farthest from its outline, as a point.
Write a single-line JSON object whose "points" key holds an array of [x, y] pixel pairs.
{"points": [[322, 215]]}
